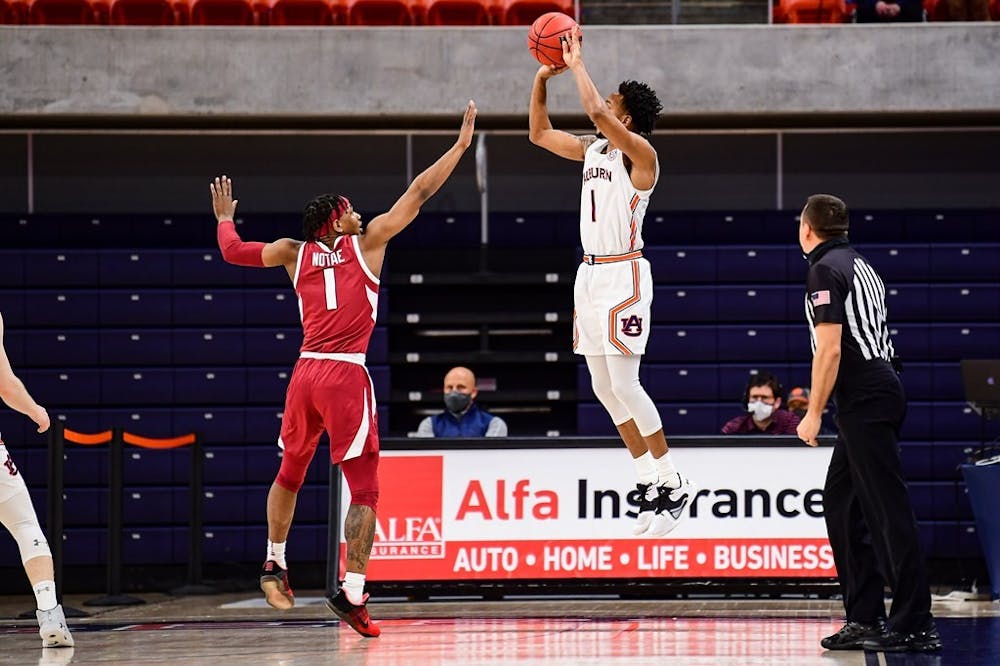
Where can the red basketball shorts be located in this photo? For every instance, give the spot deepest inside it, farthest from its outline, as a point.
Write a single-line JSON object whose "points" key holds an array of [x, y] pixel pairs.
{"points": [[330, 395]]}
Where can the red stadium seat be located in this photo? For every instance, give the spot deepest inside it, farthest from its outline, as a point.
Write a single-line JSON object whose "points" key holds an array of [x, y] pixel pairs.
{"points": [[64, 12], [379, 12], [221, 12], [456, 12], [305, 12], [524, 12], [13, 12], [937, 10], [143, 12], [814, 11]]}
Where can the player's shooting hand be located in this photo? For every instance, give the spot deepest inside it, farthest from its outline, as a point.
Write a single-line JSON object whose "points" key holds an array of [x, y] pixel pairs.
{"points": [[548, 71], [223, 203], [572, 46], [468, 126], [40, 417], [808, 429]]}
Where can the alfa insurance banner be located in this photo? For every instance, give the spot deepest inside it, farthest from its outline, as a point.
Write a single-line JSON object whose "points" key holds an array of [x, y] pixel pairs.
{"points": [[569, 513]]}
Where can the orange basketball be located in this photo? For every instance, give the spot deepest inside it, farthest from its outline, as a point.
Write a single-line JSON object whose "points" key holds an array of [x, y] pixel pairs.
{"points": [[543, 38]]}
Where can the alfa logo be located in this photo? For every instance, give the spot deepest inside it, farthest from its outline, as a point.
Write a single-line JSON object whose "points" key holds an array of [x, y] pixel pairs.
{"points": [[9, 464], [632, 326]]}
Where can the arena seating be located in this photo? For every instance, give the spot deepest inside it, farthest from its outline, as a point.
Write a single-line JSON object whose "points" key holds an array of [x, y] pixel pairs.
{"points": [[810, 11], [142, 325]]}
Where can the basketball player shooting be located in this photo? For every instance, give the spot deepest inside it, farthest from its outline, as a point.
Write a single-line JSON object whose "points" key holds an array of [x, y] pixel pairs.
{"points": [[334, 272], [614, 289]]}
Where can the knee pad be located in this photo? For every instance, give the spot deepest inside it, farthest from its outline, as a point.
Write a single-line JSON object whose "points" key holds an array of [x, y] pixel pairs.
{"points": [[361, 474], [630, 393], [600, 382], [18, 515]]}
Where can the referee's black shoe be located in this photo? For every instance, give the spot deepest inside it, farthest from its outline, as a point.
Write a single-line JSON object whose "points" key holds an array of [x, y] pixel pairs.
{"points": [[922, 641], [853, 634]]}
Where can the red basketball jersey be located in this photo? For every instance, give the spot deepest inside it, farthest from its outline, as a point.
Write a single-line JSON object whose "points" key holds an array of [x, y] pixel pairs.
{"points": [[338, 297]]}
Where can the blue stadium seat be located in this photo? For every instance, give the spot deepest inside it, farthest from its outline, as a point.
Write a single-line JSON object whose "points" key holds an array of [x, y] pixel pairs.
{"points": [[733, 378], [267, 385], [135, 307], [11, 267], [65, 308], [65, 387], [213, 386], [965, 302], [434, 229], [907, 302], [947, 378], [85, 465], [949, 225], [263, 424], [85, 506], [136, 347], [227, 544], [759, 264], [764, 303], [263, 460], [209, 307], [154, 545], [85, 545], [227, 504], [135, 268], [155, 505], [210, 347], [958, 341], [272, 346], [205, 268], [899, 262], [765, 344], [964, 261], [380, 380], [514, 229], [954, 420], [224, 464], [911, 341], [151, 466], [146, 421], [918, 381], [677, 382], [61, 268], [685, 304], [12, 307], [214, 425], [679, 344], [680, 265], [140, 386], [878, 227], [378, 347], [274, 307]]}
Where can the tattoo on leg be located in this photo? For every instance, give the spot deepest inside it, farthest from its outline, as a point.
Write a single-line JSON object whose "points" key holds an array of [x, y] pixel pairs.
{"points": [[359, 532]]}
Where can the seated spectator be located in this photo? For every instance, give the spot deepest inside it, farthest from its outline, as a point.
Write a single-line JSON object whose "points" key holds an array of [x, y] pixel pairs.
{"points": [[894, 11], [798, 401], [764, 416], [461, 417]]}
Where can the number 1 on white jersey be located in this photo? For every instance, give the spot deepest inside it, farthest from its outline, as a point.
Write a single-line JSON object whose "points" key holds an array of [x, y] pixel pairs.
{"points": [[330, 281]]}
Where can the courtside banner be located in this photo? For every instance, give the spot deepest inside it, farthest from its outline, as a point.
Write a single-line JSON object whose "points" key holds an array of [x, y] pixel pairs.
{"points": [[569, 513]]}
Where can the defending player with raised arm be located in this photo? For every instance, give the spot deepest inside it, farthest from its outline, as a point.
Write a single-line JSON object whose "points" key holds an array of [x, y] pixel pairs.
{"points": [[17, 513], [335, 275], [613, 291]]}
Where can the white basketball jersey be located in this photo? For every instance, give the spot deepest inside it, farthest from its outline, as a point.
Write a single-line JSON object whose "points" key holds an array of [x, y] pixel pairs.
{"points": [[611, 208]]}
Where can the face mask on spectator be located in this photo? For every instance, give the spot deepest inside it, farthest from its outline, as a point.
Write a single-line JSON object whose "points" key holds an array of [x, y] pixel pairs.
{"points": [[456, 402], [760, 410]]}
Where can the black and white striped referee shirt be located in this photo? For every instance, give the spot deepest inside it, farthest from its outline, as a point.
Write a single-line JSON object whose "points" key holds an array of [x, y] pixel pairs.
{"points": [[843, 288]]}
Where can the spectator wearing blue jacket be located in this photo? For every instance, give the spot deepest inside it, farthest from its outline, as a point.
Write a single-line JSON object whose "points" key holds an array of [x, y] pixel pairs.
{"points": [[462, 417]]}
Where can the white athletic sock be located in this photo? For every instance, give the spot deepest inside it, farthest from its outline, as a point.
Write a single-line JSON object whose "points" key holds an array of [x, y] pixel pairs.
{"points": [[45, 595], [354, 587], [645, 467], [668, 476], [276, 553]]}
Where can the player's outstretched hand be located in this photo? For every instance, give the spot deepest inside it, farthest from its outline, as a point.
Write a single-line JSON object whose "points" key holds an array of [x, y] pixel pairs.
{"points": [[223, 203], [572, 47], [548, 71], [468, 126]]}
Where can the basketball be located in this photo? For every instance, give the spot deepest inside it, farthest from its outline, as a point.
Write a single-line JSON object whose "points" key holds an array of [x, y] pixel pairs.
{"points": [[543, 38]]}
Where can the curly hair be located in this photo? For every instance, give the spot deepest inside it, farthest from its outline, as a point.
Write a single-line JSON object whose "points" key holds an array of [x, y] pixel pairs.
{"points": [[317, 213], [642, 104]]}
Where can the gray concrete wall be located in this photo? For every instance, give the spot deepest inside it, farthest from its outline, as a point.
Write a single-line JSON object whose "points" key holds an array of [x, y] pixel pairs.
{"points": [[361, 75]]}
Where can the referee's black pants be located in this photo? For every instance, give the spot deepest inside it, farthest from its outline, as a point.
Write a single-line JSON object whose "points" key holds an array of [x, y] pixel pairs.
{"points": [[869, 518]]}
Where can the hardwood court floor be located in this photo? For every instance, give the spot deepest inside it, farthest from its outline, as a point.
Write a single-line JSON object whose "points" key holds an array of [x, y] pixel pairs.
{"points": [[239, 630]]}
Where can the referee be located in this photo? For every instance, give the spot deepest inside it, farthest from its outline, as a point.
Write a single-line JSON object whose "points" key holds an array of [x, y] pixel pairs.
{"points": [[868, 516]]}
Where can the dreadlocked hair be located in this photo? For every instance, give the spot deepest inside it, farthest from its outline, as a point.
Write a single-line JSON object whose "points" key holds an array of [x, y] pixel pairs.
{"points": [[317, 212], [642, 104]]}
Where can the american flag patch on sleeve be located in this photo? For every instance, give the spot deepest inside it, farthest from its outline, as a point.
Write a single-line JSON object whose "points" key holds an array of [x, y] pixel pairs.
{"points": [[820, 297]]}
